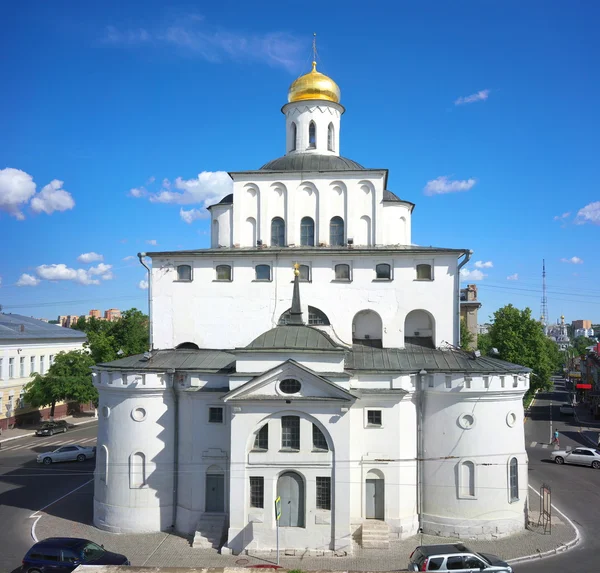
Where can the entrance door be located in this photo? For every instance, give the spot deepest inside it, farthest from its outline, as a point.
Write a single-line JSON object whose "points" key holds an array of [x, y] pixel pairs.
{"points": [[215, 493], [290, 488], [375, 499]]}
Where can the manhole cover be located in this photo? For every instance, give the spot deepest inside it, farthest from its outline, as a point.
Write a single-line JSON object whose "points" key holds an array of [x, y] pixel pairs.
{"points": [[242, 561]]}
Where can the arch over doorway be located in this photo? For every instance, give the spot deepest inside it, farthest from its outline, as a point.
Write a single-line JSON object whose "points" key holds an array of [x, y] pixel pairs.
{"points": [[290, 487], [375, 495]]}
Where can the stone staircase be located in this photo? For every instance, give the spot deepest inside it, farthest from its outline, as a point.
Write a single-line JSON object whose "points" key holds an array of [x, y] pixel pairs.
{"points": [[210, 531], [375, 534]]}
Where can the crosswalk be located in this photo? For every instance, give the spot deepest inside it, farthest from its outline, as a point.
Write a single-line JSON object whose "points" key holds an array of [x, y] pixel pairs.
{"points": [[544, 446], [51, 445]]}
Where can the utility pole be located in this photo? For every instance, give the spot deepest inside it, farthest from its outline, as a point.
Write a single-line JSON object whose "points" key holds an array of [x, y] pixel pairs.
{"points": [[544, 306]]}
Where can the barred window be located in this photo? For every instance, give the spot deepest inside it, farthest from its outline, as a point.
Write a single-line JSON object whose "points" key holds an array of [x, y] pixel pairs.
{"points": [[290, 432], [257, 492], [319, 441], [323, 493], [374, 417], [215, 415], [261, 441], [307, 232], [514, 479], [290, 386]]}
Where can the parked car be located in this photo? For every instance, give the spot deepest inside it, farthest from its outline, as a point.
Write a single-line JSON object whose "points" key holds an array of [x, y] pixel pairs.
{"points": [[68, 453], [567, 409], [51, 428], [579, 456], [64, 554], [455, 557]]}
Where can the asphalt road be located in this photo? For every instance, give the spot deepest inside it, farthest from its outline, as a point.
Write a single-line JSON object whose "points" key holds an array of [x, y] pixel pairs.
{"points": [[26, 486], [575, 489]]}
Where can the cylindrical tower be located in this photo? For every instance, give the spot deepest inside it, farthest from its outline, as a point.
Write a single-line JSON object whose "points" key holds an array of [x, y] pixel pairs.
{"points": [[133, 489], [312, 116], [474, 463]]}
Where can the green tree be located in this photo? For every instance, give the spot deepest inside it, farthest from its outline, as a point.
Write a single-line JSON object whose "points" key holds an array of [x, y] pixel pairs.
{"points": [[68, 379], [581, 343], [466, 337], [520, 339], [484, 343]]}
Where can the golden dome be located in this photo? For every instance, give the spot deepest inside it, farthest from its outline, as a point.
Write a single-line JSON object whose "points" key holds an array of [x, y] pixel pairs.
{"points": [[314, 85]]}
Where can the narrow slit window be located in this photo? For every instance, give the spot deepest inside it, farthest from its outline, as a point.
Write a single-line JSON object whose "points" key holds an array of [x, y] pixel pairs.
{"points": [[330, 135], [323, 493], [257, 492], [277, 232], [290, 432], [293, 136], [307, 232], [336, 232], [514, 479], [312, 135]]}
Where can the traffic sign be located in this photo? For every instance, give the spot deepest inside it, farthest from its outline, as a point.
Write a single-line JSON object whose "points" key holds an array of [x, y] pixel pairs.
{"points": [[277, 508]]}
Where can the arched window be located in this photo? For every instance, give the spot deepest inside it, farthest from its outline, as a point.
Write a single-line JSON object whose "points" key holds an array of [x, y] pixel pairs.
{"points": [[312, 135], [319, 441], [423, 272], [290, 433], [277, 232], [342, 272], [293, 136], [102, 464], [223, 273], [137, 470], [263, 272], [466, 479], [307, 232], [513, 479], [330, 137], [383, 271], [187, 346], [261, 441], [184, 273], [336, 232], [316, 317]]}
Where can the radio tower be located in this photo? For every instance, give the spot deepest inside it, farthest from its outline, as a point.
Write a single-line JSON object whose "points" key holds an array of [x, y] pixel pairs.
{"points": [[544, 306]]}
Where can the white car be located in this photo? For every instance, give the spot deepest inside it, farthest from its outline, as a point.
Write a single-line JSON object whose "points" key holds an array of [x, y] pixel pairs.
{"points": [[68, 453], [580, 456]]}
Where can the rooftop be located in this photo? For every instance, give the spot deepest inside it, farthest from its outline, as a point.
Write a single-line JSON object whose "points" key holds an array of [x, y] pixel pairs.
{"points": [[18, 327]]}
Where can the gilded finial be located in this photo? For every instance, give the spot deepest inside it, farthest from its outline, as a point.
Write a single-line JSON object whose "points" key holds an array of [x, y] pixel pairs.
{"points": [[296, 269]]}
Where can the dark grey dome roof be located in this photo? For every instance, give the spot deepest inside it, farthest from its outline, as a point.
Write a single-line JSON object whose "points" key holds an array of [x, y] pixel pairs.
{"points": [[311, 162], [299, 337], [226, 199], [389, 196]]}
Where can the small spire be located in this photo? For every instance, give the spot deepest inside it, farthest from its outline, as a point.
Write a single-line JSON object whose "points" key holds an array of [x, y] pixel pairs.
{"points": [[296, 310]]}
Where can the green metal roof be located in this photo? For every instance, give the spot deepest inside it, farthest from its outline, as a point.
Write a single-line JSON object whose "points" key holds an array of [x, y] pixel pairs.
{"points": [[203, 360], [293, 337]]}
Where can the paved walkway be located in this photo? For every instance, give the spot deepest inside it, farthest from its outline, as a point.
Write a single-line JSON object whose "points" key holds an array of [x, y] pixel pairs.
{"points": [[163, 549], [589, 427], [16, 433]]}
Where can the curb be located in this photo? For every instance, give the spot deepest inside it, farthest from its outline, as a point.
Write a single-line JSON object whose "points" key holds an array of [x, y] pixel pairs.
{"points": [[552, 552], [33, 433]]}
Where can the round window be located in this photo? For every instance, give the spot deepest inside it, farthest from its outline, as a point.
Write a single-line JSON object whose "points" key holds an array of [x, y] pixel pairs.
{"points": [[289, 386], [466, 421], [511, 419], [105, 411], [138, 414]]}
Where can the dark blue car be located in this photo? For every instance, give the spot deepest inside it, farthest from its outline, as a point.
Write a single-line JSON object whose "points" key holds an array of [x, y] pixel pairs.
{"points": [[64, 554]]}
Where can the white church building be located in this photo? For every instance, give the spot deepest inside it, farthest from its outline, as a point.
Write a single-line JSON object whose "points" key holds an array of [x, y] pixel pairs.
{"points": [[310, 354]]}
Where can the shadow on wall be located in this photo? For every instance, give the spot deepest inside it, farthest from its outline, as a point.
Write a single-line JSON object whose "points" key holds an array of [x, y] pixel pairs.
{"points": [[241, 541]]}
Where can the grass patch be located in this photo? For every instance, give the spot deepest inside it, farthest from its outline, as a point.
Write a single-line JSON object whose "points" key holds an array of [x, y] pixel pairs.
{"points": [[528, 399]]}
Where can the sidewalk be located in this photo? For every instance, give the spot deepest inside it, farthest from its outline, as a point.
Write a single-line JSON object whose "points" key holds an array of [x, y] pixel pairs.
{"points": [[589, 427], [16, 433]]}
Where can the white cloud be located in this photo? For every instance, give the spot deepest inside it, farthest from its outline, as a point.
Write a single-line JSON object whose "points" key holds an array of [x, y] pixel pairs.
{"points": [[475, 275], [444, 184], [589, 214], [52, 198], [138, 192], [143, 284], [152, 242], [482, 265], [191, 35], [27, 280], [514, 277], [206, 189], [572, 260], [191, 215], [481, 95], [16, 188], [563, 216], [128, 258], [90, 257], [60, 272]]}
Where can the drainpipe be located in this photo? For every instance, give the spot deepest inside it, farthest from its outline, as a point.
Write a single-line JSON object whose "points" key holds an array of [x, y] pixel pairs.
{"points": [[171, 372], [150, 327], [420, 453], [468, 255]]}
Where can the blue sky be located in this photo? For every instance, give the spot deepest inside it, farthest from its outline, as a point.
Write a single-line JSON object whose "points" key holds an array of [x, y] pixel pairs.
{"points": [[485, 113]]}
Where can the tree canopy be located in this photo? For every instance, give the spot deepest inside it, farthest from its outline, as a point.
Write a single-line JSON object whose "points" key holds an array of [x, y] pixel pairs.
{"points": [[109, 340], [69, 378], [520, 339], [580, 344]]}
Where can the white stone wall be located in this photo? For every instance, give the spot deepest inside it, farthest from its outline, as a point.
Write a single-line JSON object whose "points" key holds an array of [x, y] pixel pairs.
{"points": [[202, 311], [221, 225], [322, 113]]}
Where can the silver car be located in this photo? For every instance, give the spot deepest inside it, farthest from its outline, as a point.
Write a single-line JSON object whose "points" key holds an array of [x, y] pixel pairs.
{"points": [[579, 456], [68, 453], [455, 557]]}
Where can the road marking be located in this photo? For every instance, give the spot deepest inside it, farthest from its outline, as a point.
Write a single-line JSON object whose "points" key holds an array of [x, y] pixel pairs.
{"points": [[88, 441], [544, 446], [533, 444], [38, 517]]}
